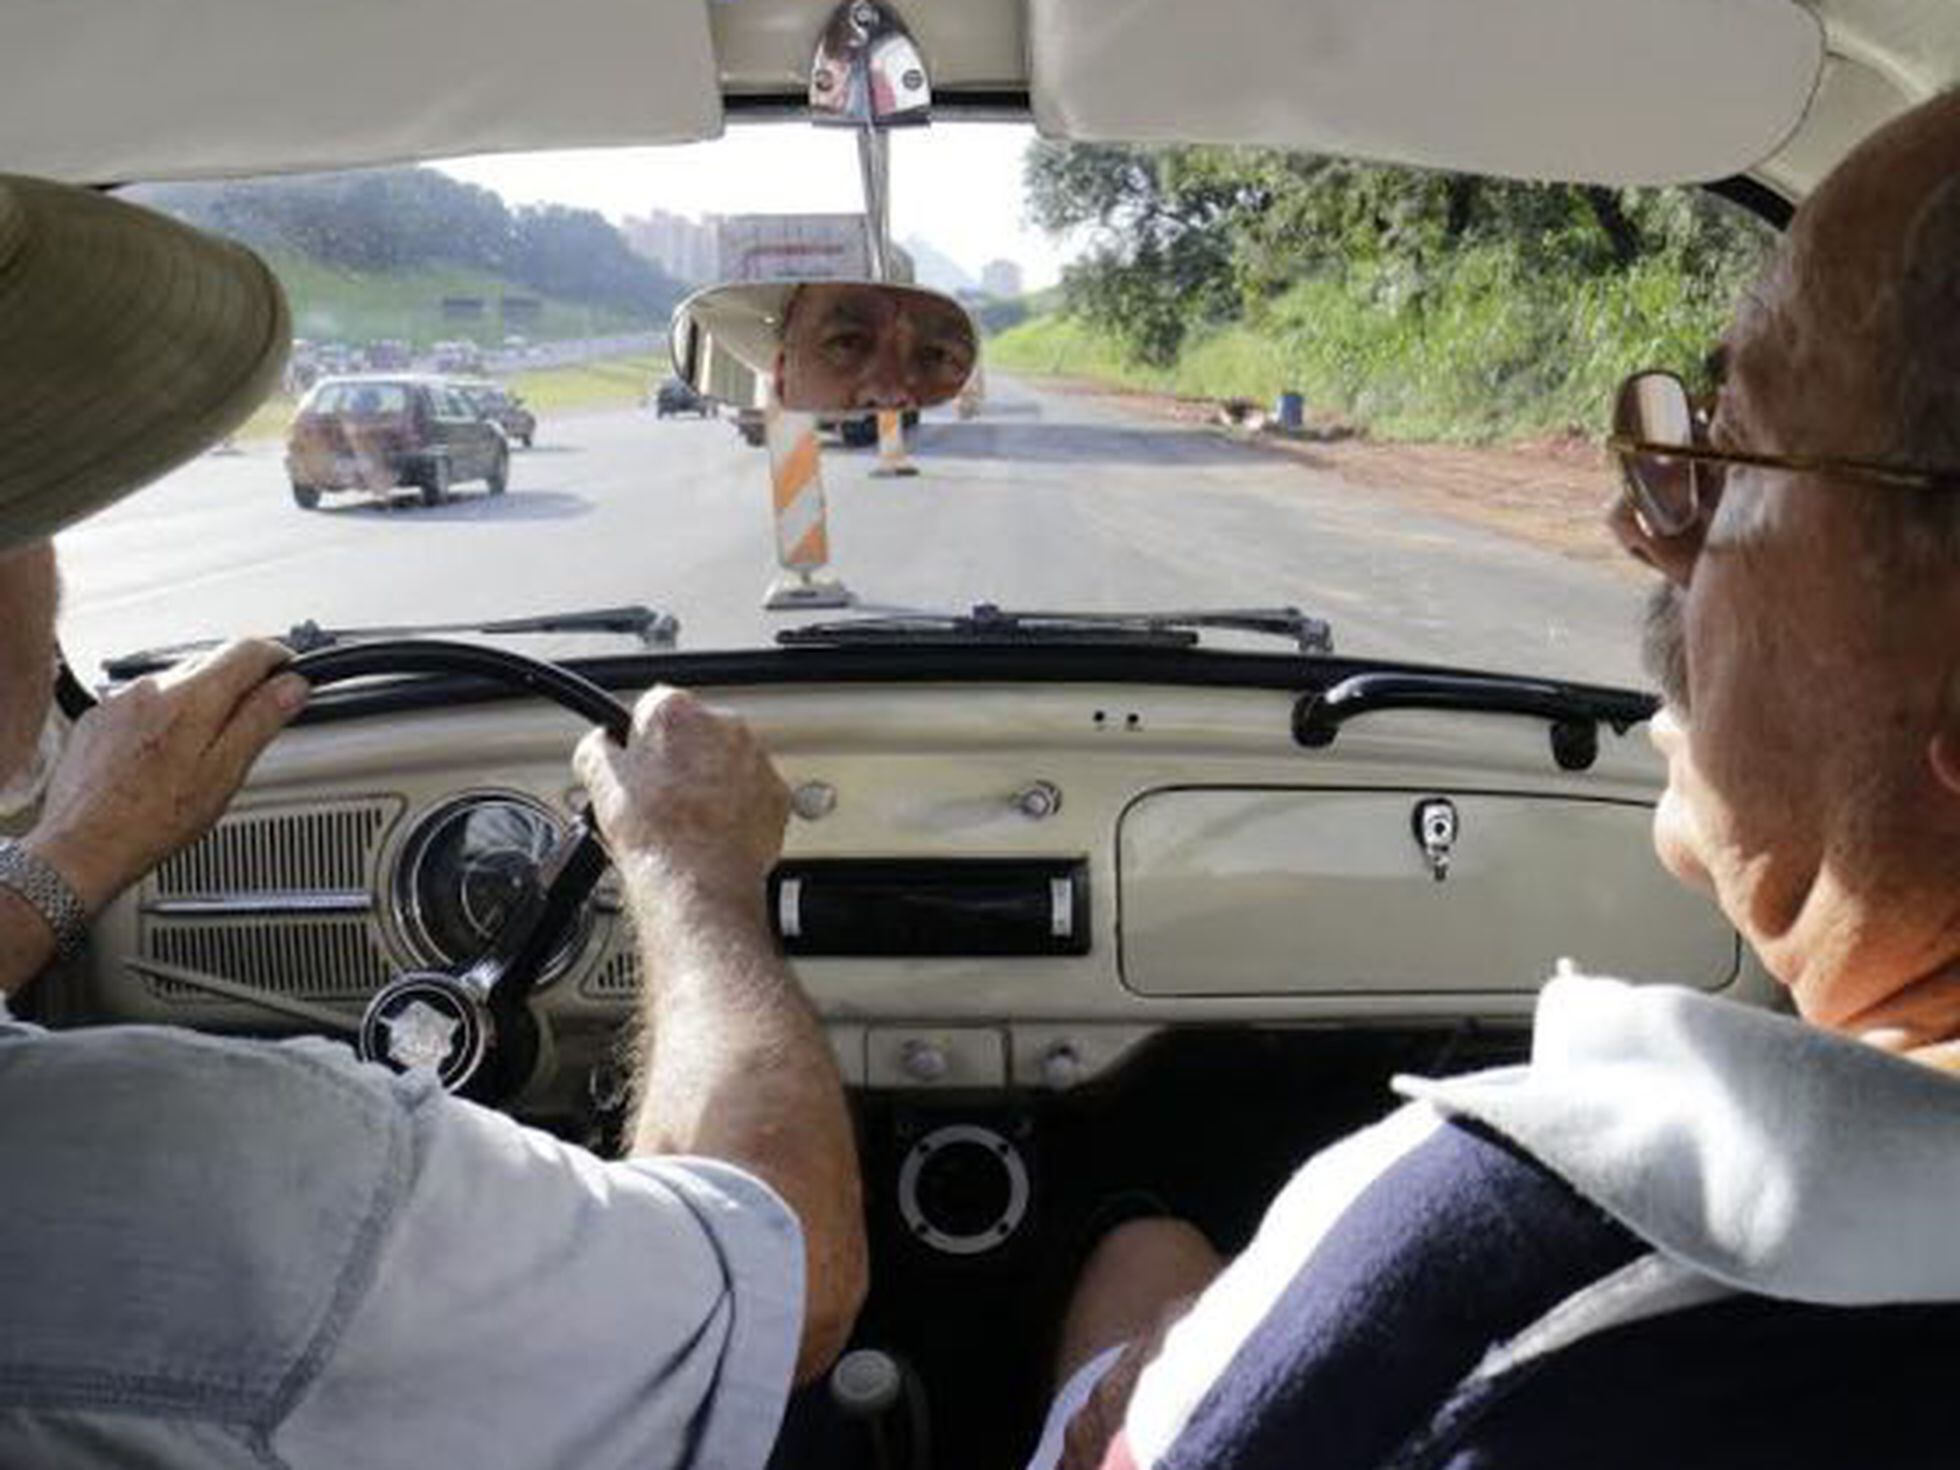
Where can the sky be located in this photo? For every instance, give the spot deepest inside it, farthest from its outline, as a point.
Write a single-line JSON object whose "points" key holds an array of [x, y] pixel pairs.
{"points": [[958, 185]]}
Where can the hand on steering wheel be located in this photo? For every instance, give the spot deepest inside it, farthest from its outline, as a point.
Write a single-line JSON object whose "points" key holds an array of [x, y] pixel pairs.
{"points": [[475, 1028]]}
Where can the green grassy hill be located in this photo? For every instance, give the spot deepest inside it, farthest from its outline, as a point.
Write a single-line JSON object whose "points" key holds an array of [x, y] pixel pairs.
{"points": [[335, 305]]}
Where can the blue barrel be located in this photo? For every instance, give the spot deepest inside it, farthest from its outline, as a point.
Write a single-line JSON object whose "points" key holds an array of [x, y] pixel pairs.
{"points": [[1292, 411]]}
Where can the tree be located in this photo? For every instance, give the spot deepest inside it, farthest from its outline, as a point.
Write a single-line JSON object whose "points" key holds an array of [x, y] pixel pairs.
{"points": [[1160, 258]]}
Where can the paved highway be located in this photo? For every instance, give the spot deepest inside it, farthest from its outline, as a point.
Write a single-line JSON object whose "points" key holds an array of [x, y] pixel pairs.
{"points": [[1044, 501]]}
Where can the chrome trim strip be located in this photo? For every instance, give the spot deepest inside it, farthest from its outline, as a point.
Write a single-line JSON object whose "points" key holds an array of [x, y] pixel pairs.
{"points": [[789, 908], [1061, 908], [276, 903]]}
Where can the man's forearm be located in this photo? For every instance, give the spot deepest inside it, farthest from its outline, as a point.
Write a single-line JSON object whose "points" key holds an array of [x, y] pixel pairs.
{"points": [[736, 1066]]}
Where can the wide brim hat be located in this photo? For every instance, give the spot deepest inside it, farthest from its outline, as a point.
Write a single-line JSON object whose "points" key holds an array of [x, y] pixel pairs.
{"points": [[129, 343]]}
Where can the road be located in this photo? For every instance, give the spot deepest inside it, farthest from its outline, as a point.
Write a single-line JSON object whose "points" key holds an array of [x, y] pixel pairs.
{"points": [[1045, 501]]}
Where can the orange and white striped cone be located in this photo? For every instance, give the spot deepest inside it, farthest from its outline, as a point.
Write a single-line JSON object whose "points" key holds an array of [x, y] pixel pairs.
{"points": [[891, 446], [802, 518]]}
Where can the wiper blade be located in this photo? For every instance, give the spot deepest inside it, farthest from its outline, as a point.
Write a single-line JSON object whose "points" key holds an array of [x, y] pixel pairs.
{"points": [[653, 628], [988, 624]]}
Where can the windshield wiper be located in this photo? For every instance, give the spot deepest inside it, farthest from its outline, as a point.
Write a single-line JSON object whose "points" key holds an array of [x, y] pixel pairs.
{"points": [[988, 624], [653, 628]]}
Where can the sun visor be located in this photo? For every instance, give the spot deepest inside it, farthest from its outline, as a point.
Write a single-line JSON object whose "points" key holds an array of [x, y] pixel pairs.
{"points": [[102, 91], [1605, 91]]}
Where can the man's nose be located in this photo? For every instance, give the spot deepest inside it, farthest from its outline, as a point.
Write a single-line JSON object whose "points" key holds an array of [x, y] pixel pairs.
{"points": [[1672, 556], [883, 383]]}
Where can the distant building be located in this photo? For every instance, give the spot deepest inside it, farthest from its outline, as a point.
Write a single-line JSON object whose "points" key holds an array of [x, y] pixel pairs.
{"points": [[1001, 278], [683, 248]]}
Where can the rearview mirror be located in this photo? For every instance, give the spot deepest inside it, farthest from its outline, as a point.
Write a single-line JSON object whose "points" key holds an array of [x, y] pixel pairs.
{"points": [[828, 346]]}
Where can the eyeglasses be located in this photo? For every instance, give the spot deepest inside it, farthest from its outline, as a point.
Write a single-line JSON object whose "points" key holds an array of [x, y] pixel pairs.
{"points": [[1660, 435]]}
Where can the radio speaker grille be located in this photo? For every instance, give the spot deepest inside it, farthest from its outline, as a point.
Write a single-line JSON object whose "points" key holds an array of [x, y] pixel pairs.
{"points": [[619, 976], [320, 848], [310, 958]]}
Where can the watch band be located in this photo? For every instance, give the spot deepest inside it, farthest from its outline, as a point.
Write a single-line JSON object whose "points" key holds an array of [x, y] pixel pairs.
{"points": [[44, 890]]}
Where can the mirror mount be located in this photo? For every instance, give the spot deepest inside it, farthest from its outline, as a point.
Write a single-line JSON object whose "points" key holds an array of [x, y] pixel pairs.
{"points": [[870, 75]]}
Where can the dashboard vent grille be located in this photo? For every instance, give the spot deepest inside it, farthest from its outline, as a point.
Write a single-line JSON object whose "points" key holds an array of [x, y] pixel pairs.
{"points": [[316, 848], [313, 959], [618, 976]]}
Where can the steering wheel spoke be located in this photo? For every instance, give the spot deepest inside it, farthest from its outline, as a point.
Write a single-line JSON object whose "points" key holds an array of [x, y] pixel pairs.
{"points": [[475, 1028]]}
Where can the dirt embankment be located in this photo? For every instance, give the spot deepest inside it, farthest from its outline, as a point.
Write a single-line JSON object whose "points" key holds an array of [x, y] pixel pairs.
{"points": [[1552, 492]]}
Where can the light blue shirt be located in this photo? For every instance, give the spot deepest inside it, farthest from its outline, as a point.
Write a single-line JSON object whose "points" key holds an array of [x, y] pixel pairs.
{"points": [[218, 1253]]}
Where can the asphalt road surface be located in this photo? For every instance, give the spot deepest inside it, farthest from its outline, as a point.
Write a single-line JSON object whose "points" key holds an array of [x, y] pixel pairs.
{"points": [[1044, 501]]}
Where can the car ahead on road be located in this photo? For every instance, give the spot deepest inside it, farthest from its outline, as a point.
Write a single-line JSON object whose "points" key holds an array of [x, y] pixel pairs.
{"points": [[503, 407], [376, 433], [674, 397]]}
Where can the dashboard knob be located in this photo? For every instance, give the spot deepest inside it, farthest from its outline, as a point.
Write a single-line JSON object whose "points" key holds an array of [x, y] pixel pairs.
{"points": [[1061, 1066], [924, 1061], [866, 1383], [813, 800], [1039, 800]]}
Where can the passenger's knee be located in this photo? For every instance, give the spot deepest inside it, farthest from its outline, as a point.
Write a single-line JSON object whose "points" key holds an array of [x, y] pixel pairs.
{"points": [[1157, 1253]]}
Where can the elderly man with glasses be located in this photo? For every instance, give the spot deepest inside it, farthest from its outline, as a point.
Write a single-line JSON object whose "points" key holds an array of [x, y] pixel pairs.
{"points": [[1688, 1232]]}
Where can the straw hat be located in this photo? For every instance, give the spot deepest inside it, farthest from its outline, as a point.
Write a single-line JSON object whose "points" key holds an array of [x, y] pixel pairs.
{"points": [[128, 344]]}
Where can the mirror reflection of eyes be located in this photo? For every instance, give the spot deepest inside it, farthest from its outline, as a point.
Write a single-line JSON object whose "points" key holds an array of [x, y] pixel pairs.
{"points": [[821, 345], [845, 346], [944, 361]]}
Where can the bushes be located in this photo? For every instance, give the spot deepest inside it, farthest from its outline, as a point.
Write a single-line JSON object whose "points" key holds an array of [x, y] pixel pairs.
{"points": [[1490, 344]]}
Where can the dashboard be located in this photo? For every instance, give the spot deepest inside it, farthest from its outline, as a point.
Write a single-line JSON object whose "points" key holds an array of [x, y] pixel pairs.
{"points": [[985, 886]]}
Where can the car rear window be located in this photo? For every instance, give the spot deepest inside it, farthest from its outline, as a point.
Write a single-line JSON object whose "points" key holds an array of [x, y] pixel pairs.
{"points": [[363, 400]]}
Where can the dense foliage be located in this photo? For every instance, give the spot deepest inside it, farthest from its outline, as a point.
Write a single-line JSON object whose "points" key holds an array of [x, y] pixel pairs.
{"points": [[1415, 301], [400, 218]]}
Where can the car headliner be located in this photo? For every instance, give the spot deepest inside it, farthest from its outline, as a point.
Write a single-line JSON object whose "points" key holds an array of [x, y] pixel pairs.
{"points": [[189, 88]]}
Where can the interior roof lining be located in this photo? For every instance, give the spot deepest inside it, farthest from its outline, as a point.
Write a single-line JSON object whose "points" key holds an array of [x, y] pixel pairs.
{"points": [[1013, 105]]}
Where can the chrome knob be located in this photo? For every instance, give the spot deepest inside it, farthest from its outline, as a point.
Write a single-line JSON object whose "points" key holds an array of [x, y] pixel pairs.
{"points": [[1038, 801], [924, 1061], [813, 800], [866, 1383], [1061, 1066]]}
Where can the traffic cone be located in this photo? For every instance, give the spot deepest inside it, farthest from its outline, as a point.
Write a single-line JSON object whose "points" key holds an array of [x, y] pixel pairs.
{"points": [[802, 516], [891, 446]]}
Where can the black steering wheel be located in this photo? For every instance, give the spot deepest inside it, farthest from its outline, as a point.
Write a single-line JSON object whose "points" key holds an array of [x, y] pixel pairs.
{"points": [[474, 1027]]}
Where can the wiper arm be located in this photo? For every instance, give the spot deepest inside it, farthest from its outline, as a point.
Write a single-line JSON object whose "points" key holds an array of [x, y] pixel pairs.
{"points": [[990, 624], [653, 628]]}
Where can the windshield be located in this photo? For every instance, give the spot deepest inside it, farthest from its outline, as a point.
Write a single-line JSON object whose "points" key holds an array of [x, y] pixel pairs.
{"points": [[1208, 379]]}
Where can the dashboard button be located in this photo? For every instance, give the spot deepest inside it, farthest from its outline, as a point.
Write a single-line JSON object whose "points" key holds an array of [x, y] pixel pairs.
{"points": [[813, 800]]}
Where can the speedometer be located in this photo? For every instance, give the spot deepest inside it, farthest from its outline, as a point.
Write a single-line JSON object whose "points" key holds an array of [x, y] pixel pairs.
{"points": [[462, 870]]}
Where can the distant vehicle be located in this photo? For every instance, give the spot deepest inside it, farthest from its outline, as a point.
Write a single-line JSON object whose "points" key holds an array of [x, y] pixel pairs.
{"points": [[376, 432], [458, 357], [799, 247], [390, 354], [503, 407], [676, 397], [335, 358], [517, 346]]}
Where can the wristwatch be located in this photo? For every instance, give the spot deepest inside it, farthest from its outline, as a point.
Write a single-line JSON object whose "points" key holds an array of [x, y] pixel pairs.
{"points": [[44, 890]]}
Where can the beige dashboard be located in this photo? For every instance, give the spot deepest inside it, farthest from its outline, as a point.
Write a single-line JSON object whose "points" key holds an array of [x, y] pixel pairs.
{"points": [[1232, 876]]}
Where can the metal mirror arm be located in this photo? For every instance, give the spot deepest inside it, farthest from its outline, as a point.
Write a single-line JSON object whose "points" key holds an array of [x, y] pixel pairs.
{"points": [[869, 74], [874, 168]]}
